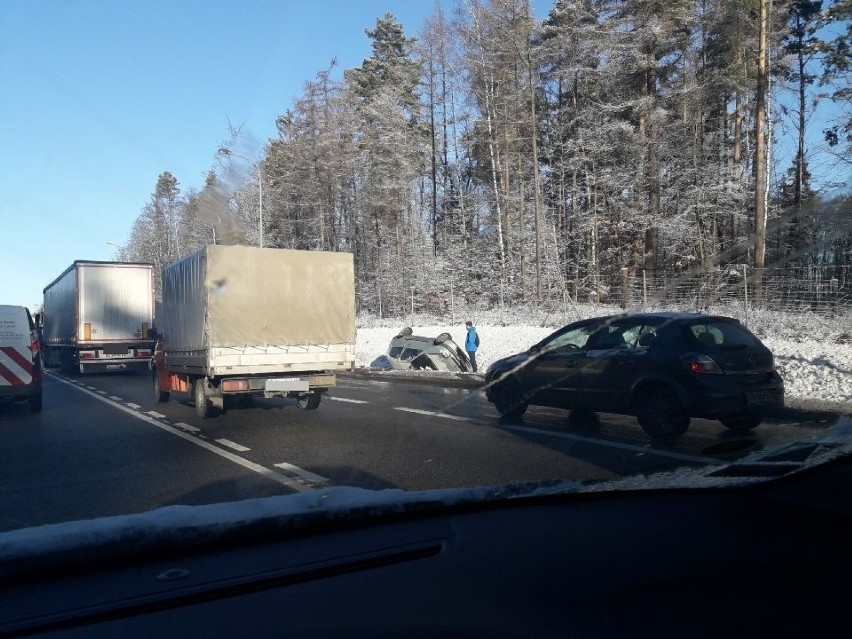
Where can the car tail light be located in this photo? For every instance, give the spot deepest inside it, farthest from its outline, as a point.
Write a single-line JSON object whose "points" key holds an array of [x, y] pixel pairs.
{"points": [[235, 385], [88, 355], [700, 363]]}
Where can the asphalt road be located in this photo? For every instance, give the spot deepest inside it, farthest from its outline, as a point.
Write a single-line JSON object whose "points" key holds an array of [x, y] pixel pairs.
{"points": [[102, 446]]}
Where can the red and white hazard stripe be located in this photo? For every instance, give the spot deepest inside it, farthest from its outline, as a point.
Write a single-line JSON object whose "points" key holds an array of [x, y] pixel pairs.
{"points": [[16, 366]]}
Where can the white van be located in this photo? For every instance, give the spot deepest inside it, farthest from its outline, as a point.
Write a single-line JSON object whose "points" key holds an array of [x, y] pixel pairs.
{"points": [[21, 368]]}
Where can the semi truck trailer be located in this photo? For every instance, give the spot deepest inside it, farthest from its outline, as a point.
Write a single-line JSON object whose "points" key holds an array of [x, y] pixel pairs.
{"points": [[97, 316]]}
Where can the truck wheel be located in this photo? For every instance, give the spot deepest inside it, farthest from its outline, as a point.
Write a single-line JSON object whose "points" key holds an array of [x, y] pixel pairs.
{"points": [[160, 396], [311, 401], [203, 407]]}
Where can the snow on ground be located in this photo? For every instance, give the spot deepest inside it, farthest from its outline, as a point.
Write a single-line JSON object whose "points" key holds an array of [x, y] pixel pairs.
{"points": [[816, 368]]}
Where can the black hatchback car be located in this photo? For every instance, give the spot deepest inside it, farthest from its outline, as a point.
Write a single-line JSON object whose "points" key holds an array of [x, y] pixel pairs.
{"points": [[664, 368]]}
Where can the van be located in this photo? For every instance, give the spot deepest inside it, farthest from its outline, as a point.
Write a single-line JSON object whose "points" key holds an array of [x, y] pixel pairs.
{"points": [[21, 367]]}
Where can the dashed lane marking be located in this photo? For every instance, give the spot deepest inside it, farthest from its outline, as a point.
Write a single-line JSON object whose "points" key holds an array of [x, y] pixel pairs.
{"points": [[191, 429], [133, 406], [155, 414], [293, 484], [115, 398], [347, 400], [430, 413], [101, 392], [301, 472], [611, 444], [233, 445]]}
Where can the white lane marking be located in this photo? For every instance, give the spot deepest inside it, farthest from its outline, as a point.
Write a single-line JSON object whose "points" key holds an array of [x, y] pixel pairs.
{"points": [[89, 387], [116, 398], [191, 429], [234, 445], [301, 472], [609, 444], [432, 414], [154, 413], [133, 406], [101, 392], [577, 438], [245, 463], [350, 401]]}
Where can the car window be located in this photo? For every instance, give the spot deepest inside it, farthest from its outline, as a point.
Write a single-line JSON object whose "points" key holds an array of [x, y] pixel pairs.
{"points": [[395, 351], [722, 334], [572, 340], [409, 354]]}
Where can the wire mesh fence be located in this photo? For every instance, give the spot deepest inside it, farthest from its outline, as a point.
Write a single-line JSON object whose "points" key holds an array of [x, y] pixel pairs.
{"points": [[824, 289]]}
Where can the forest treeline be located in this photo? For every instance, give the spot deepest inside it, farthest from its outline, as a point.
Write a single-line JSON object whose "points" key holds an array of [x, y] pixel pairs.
{"points": [[501, 159]]}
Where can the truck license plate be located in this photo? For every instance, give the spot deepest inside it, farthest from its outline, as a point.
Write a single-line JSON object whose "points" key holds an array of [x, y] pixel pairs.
{"points": [[290, 384]]}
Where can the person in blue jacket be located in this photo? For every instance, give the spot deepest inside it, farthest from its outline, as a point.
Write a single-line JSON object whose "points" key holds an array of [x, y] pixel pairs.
{"points": [[471, 343]]}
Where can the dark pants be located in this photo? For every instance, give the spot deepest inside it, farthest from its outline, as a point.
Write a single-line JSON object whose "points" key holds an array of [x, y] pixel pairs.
{"points": [[471, 355]]}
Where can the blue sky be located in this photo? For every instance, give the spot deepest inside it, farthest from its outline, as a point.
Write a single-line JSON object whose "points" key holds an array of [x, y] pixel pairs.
{"points": [[100, 96]]}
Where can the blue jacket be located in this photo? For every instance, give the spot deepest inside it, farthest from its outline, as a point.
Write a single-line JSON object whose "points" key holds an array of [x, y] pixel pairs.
{"points": [[470, 341]]}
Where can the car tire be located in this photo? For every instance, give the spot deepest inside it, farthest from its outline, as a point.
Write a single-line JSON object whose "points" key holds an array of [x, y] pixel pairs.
{"points": [[508, 399], [34, 403], [443, 337], [311, 401], [660, 413], [160, 396], [742, 422], [203, 407]]}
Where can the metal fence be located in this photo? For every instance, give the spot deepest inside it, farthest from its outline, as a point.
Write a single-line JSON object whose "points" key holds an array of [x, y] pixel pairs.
{"points": [[813, 289]]}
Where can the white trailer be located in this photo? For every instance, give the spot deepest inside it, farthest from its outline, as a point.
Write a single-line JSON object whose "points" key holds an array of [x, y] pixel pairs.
{"points": [[97, 316], [243, 322]]}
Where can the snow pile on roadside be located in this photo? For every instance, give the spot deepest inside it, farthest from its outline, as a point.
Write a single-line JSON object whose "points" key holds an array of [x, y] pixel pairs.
{"points": [[813, 369]]}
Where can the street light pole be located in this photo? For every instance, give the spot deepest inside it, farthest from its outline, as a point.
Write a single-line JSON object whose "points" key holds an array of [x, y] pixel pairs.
{"points": [[228, 153]]}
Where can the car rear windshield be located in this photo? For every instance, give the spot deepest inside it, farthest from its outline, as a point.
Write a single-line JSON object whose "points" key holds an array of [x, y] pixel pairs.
{"points": [[719, 333]]}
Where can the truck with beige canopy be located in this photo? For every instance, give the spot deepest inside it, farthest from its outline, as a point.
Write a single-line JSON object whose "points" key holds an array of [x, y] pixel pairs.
{"points": [[241, 322]]}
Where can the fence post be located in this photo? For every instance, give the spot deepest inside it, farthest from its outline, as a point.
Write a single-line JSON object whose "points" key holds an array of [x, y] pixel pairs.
{"points": [[644, 290], [745, 292], [452, 305]]}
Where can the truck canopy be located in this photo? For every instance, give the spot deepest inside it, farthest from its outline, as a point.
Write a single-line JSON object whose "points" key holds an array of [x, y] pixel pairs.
{"points": [[239, 296]]}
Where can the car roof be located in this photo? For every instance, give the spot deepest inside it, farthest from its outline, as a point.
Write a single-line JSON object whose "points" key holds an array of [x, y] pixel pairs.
{"points": [[660, 315]]}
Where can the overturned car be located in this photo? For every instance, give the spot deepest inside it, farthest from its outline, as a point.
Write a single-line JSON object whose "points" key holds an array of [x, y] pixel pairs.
{"points": [[415, 352]]}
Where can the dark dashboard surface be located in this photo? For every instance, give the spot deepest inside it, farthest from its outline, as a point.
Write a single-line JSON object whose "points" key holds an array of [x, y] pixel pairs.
{"points": [[766, 560]]}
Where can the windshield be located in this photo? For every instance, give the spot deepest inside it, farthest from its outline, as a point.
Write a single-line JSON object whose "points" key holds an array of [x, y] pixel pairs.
{"points": [[616, 247]]}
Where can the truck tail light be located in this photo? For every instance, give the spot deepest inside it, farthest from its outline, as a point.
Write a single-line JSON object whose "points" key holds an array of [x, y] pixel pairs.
{"points": [[235, 385], [87, 331], [145, 329], [88, 354], [143, 352]]}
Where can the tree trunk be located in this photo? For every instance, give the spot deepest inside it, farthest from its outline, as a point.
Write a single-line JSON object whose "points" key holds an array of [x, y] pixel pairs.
{"points": [[760, 151]]}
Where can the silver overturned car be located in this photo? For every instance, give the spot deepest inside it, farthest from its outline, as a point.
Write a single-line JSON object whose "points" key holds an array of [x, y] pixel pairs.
{"points": [[415, 352]]}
